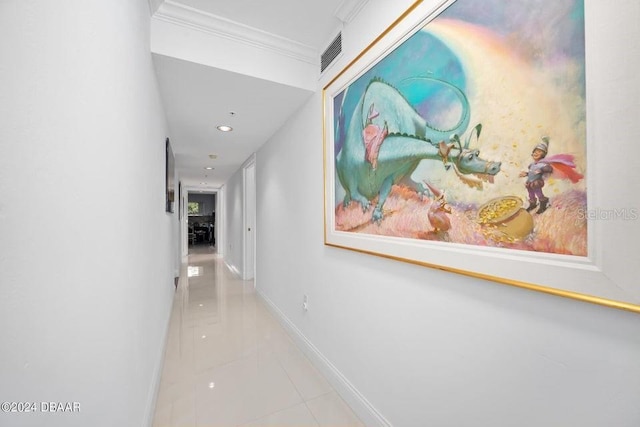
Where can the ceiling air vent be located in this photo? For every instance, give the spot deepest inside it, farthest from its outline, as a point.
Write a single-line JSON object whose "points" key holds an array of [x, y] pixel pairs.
{"points": [[331, 53]]}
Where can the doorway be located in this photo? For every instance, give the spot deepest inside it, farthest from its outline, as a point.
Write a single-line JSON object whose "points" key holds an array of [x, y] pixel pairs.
{"points": [[201, 220], [249, 218]]}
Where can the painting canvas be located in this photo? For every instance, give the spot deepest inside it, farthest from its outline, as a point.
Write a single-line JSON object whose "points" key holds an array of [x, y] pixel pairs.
{"points": [[465, 133], [432, 142]]}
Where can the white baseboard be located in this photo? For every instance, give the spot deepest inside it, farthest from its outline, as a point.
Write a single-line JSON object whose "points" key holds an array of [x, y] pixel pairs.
{"points": [[358, 403], [157, 374]]}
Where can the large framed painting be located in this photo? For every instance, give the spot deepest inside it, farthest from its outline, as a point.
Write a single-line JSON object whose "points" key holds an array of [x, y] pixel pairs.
{"points": [[460, 139]]}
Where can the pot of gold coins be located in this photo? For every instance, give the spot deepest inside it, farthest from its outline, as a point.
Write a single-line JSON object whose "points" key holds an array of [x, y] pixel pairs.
{"points": [[504, 219]]}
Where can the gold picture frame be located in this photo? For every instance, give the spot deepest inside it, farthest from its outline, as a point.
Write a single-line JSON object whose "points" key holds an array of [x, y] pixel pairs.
{"points": [[370, 111]]}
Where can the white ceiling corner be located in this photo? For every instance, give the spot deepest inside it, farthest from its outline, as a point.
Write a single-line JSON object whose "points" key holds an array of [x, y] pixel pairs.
{"points": [[348, 9], [186, 16], [154, 5]]}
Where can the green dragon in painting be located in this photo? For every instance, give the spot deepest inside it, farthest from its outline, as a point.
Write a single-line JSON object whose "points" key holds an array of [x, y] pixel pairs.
{"points": [[387, 139]]}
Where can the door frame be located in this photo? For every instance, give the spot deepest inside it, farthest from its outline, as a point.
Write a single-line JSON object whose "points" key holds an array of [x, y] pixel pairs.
{"points": [[249, 218]]}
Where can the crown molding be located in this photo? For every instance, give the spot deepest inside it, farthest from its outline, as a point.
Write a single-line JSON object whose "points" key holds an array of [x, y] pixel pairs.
{"points": [[348, 9], [179, 14]]}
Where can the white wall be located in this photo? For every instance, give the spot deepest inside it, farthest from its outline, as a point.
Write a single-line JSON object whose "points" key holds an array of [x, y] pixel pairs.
{"points": [[232, 227], [424, 347], [86, 282]]}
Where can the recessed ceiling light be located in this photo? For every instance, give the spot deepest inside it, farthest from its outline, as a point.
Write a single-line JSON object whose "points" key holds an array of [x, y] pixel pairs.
{"points": [[203, 183], [224, 128], [209, 168]]}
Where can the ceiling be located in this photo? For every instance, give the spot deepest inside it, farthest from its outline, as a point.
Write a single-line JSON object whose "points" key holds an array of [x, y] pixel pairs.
{"points": [[199, 96], [309, 22]]}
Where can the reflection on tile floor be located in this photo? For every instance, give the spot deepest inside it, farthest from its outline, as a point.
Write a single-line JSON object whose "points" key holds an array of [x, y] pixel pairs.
{"points": [[228, 362]]}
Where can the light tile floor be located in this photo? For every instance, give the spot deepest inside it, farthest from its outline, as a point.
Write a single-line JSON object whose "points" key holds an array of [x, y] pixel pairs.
{"points": [[228, 362]]}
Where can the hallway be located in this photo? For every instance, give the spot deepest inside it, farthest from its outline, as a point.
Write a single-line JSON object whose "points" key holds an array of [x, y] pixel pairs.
{"points": [[228, 362]]}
